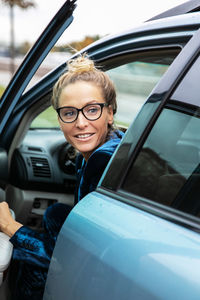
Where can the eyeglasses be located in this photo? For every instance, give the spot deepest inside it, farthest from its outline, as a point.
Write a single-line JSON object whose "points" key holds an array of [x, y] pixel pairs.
{"points": [[91, 112]]}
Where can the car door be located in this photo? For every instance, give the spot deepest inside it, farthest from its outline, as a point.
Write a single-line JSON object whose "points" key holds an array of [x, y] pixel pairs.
{"points": [[137, 235]]}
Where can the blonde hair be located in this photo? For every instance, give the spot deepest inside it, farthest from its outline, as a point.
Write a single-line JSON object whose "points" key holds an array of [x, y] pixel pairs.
{"points": [[83, 68]]}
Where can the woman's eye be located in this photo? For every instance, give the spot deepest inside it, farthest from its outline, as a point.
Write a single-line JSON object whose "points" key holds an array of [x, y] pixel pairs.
{"points": [[92, 110], [69, 113]]}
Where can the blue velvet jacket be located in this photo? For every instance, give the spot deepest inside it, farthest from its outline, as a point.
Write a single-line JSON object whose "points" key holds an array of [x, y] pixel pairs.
{"points": [[33, 250]]}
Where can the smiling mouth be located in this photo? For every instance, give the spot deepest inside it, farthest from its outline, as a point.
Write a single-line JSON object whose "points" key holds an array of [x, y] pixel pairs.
{"points": [[84, 136]]}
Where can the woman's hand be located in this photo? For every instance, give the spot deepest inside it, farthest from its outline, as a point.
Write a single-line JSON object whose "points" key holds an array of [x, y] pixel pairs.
{"points": [[7, 224]]}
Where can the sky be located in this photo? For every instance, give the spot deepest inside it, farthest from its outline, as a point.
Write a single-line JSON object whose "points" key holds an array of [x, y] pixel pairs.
{"points": [[91, 17]]}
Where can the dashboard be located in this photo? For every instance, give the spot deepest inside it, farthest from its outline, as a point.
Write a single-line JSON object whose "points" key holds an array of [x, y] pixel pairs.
{"points": [[42, 172], [44, 161]]}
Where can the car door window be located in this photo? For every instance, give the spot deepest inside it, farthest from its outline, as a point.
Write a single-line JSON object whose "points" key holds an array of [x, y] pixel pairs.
{"points": [[134, 81], [46, 119], [51, 61], [167, 168]]}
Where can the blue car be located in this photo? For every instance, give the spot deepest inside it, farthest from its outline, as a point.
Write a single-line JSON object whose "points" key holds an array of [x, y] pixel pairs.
{"points": [[137, 235]]}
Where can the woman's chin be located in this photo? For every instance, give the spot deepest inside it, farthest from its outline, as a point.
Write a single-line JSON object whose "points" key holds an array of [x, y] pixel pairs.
{"points": [[86, 151]]}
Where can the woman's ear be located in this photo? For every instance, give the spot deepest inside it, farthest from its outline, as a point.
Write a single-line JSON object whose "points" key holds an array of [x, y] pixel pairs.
{"points": [[110, 115]]}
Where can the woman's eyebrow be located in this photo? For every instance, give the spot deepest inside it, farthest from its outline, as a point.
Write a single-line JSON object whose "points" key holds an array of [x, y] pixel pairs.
{"points": [[87, 103]]}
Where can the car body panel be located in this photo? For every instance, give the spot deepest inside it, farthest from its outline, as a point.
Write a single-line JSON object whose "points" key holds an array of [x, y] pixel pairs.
{"points": [[107, 249]]}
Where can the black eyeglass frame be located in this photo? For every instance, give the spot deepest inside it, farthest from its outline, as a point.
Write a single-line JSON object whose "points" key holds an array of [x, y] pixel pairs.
{"points": [[102, 105]]}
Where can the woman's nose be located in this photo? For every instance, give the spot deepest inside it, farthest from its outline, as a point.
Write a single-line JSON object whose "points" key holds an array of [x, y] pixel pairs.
{"points": [[81, 121]]}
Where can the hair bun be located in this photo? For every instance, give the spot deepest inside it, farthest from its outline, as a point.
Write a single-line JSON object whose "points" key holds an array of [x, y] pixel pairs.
{"points": [[81, 64]]}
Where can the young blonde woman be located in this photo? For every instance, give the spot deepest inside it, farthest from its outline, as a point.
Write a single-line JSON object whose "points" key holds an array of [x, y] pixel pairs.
{"points": [[85, 100]]}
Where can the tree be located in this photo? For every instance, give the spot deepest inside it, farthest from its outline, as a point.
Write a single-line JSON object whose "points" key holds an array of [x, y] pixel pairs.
{"points": [[24, 5]]}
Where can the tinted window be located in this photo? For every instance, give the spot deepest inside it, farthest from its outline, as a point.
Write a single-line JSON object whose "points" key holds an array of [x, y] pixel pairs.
{"points": [[167, 168]]}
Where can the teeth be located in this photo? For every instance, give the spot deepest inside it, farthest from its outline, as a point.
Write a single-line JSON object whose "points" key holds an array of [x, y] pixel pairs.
{"points": [[82, 136]]}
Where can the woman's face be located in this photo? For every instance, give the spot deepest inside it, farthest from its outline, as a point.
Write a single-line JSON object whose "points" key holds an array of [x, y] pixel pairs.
{"points": [[85, 135]]}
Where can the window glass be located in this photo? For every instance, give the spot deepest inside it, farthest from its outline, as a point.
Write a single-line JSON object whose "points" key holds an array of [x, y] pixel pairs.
{"points": [[167, 168], [134, 82], [47, 119], [51, 61]]}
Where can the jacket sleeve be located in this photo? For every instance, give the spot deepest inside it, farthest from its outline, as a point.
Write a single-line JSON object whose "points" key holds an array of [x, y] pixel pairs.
{"points": [[32, 247]]}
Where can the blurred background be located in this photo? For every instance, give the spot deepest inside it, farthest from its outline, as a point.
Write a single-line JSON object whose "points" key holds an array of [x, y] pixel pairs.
{"points": [[22, 21]]}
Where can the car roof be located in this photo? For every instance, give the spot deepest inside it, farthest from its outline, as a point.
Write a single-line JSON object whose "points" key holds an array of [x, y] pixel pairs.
{"points": [[184, 8]]}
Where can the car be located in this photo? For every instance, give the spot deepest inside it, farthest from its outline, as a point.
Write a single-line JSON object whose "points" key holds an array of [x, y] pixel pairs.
{"points": [[137, 235]]}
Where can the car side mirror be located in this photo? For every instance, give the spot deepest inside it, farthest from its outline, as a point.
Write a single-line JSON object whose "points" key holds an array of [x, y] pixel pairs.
{"points": [[4, 165]]}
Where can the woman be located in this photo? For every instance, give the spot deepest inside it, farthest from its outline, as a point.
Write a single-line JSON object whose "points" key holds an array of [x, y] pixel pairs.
{"points": [[85, 100]]}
